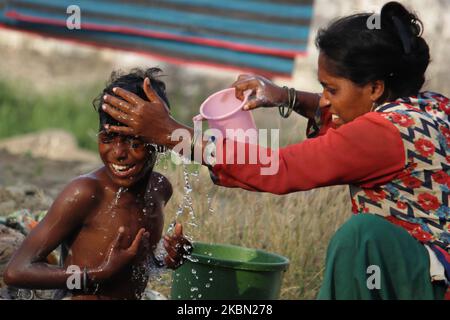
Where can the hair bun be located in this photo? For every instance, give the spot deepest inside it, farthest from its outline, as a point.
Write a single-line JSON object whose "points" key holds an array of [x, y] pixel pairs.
{"points": [[406, 24], [410, 20]]}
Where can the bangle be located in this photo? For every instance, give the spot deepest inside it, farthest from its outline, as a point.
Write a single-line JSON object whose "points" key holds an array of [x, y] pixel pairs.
{"points": [[293, 101], [292, 98], [85, 288], [283, 105]]}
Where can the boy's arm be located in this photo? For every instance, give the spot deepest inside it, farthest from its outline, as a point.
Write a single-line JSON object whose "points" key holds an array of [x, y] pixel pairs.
{"points": [[28, 267]]}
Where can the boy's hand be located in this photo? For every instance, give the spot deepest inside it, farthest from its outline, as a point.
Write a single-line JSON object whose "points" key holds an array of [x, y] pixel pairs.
{"points": [[137, 114], [117, 258], [177, 247]]}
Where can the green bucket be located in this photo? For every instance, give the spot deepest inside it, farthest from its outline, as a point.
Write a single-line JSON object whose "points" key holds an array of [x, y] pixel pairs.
{"points": [[219, 271]]}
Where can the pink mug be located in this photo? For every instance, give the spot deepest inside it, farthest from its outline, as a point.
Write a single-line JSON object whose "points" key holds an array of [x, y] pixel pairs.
{"points": [[224, 111]]}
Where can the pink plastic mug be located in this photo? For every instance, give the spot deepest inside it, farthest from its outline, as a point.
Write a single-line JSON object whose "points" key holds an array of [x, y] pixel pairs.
{"points": [[224, 111]]}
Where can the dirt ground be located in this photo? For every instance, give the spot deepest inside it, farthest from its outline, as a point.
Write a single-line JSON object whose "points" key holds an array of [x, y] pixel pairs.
{"points": [[39, 175]]}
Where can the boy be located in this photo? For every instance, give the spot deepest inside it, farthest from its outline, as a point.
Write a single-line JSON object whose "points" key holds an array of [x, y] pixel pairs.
{"points": [[108, 221]]}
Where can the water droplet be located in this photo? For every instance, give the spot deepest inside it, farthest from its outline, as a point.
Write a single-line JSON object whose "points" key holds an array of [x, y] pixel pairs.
{"points": [[194, 271], [208, 285], [193, 289], [192, 259]]}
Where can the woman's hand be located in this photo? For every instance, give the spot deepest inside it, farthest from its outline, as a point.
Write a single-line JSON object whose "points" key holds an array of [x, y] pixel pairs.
{"points": [[117, 258], [177, 247], [264, 93], [150, 120]]}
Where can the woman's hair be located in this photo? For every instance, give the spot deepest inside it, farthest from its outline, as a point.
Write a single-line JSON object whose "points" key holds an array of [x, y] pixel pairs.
{"points": [[394, 52], [132, 82]]}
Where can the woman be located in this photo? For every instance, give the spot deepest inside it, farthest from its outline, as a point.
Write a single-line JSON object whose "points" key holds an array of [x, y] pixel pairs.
{"points": [[372, 129]]}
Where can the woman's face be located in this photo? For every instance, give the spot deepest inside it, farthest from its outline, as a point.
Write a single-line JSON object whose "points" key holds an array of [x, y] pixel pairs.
{"points": [[346, 100]]}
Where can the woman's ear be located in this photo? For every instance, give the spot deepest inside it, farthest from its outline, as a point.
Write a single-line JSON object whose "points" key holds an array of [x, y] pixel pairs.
{"points": [[377, 90]]}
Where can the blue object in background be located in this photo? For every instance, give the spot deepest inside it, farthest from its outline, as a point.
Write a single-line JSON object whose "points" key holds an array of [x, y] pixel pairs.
{"points": [[253, 35]]}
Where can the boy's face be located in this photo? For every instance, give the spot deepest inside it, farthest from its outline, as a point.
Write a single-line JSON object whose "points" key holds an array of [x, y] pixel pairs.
{"points": [[127, 159]]}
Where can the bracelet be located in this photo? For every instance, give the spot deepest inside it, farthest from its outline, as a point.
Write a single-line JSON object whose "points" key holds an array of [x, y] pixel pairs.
{"points": [[292, 99], [283, 105], [85, 288]]}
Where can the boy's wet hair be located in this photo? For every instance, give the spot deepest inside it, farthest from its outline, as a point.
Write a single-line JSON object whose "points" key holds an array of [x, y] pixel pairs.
{"points": [[132, 82]]}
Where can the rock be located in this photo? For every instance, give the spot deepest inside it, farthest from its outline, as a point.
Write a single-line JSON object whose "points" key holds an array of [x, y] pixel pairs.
{"points": [[13, 198], [52, 144], [7, 206], [152, 295]]}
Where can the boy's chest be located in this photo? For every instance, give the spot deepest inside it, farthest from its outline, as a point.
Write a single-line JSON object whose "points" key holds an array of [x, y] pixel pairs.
{"points": [[129, 212]]}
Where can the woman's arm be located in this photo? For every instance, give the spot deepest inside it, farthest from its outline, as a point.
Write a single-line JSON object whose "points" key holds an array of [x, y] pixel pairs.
{"points": [[367, 151]]}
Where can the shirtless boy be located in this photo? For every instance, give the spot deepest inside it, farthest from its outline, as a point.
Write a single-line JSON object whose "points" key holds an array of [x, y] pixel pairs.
{"points": [[108, 221]]}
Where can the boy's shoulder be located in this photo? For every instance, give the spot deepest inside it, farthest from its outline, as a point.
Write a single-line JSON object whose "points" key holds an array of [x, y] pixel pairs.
{"points": [[160, 183], [83, 188], [78, 198]]}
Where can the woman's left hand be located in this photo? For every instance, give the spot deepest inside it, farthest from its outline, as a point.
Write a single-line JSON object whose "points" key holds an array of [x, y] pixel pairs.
{"points": [[150, 120], [177, 247]]}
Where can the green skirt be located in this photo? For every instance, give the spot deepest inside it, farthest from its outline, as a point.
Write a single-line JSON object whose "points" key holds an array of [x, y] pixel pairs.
{"points": [[370, 258]]}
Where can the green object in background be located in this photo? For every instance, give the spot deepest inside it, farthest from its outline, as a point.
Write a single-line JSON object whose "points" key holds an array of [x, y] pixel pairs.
{"points": [[218, 271]]}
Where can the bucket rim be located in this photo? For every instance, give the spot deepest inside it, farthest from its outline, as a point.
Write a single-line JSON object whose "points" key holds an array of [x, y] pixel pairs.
{"points": [[282, 265], [226, 115]]}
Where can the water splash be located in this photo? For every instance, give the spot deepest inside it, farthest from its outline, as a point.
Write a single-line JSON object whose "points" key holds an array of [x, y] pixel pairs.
{"points": [[186, 203], [115, 202], [209, 202]]}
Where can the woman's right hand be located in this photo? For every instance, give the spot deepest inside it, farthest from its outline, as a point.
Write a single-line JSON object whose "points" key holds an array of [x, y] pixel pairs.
{"points": [[264, 93], [117, 257]]}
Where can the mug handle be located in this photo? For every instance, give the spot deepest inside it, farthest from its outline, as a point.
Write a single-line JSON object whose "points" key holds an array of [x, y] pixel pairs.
{"points": [[198, 117]]}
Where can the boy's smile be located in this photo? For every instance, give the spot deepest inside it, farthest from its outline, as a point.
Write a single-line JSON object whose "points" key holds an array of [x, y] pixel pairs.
{"points": [[127, 159]]}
